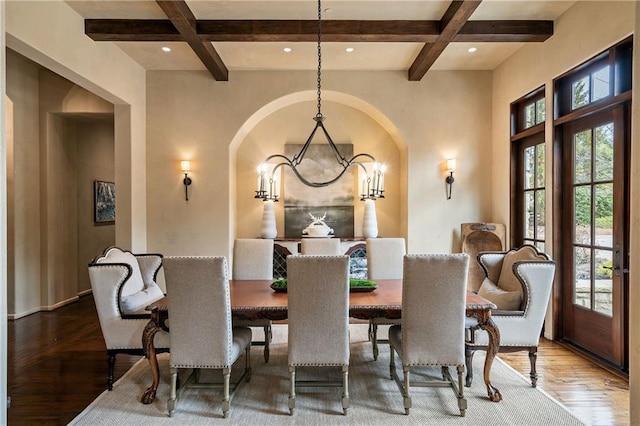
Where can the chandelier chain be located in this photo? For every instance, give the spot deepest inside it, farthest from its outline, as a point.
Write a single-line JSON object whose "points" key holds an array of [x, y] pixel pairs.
{"points": [[319, 58]]}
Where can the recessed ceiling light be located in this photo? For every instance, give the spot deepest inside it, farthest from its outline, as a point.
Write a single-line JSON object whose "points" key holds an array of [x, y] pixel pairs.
{"points": [[287, 49], [349, 49], [472, 49], [166, 49]]}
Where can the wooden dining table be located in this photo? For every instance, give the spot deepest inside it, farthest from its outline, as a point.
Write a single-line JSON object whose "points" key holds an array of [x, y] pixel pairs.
{"points": [[254, 299]]}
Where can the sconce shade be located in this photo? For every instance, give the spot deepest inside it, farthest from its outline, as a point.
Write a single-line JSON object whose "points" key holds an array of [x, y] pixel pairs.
{"points": [[451, 165], [185, 166]]}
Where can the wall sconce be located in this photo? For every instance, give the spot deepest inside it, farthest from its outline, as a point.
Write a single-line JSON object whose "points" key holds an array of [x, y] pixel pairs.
{"points": [[186, 168], [451, 167]]}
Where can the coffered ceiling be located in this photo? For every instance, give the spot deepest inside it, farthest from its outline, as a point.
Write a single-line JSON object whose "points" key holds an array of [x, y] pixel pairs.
{"points": [[411, 35]]}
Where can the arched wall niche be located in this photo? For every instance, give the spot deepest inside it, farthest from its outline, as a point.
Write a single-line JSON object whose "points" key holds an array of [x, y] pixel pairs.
{"points": [[289, 119]]}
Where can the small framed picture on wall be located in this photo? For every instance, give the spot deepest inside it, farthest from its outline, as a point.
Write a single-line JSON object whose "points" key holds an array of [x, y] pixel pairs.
{"points": [[104, 195]]}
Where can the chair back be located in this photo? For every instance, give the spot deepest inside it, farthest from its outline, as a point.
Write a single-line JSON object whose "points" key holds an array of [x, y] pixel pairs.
{"points": [[318, 303], [385, 257], [199, 302], [321, 246], [433, 309], [253, 259]]}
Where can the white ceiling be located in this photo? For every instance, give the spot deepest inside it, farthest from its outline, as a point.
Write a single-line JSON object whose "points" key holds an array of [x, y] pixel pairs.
{"points": [[367, 56]]}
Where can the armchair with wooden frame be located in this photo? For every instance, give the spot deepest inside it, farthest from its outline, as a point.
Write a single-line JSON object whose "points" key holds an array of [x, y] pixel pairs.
{"points": [[519, 283]]}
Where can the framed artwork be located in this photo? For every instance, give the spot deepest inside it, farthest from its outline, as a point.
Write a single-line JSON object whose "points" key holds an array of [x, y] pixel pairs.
{"points": [[104, 200], [334, 202]]}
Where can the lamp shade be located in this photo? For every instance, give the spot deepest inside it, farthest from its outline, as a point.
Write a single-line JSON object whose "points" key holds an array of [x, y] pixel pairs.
{"points": [[451, 164], [185, 166]]}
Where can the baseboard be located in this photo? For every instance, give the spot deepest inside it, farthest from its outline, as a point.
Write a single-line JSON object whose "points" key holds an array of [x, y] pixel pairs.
{"points": [[85, 292], [53, 307]]}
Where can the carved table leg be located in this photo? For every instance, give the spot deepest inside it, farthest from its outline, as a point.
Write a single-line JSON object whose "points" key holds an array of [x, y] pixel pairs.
{"points": [[150, 353], [494, 343]]}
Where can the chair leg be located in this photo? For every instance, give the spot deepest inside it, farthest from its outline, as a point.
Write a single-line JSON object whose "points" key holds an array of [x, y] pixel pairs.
{"points": [[226, 374], [292, 389], [111, 362], [374, 340], [171, 404], [468, 357], [247, 363], [267, 340], [405, 391], [392, 362], [462, 402], [345, 389], [533, 356]]}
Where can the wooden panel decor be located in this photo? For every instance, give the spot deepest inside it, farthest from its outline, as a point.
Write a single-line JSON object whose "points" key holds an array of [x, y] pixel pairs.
{"points": [[334, 202], [478, 237]]}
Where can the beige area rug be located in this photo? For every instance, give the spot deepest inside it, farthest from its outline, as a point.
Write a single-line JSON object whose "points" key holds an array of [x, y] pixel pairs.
{"points": [[375, 399]]}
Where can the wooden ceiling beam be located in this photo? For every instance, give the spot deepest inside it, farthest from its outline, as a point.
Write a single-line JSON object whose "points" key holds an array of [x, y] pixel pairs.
{"points": [[451, 23], [185, 22], [306, 31]]}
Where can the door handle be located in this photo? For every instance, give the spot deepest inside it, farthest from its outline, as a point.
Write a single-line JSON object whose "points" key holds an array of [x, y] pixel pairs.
{"points": [[616, 268]]}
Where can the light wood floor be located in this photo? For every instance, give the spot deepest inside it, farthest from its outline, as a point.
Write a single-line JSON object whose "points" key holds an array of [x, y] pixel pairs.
{"points": [[57, 366]]}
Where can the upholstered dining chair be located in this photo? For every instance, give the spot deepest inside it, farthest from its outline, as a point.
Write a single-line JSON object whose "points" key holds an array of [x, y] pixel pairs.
{"points": [[318, 304], [385, 257], [202, 335], [123, 284], [329, 246], [433, 319], [253, 260], [519, 283]]}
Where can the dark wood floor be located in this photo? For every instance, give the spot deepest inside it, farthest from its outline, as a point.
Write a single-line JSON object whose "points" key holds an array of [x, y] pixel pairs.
{"points": [[57, 366]]}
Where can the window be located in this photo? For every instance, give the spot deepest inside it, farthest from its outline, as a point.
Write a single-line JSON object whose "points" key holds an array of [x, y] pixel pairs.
{"points": [[528, 207], [534, 113], [534, 196]]}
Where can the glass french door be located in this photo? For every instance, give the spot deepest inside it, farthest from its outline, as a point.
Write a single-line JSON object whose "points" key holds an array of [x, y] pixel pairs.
{"points": [[595, 240]]}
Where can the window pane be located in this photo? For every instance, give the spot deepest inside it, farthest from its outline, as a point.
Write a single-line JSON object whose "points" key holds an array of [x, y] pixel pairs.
{"points": [[529, 161], [529, 219], [529, 115], [582, 274], [600, 84], [604, 152], [580, 93], [603, 282], [540, 166], [582, 160], [582, 208], [540, 246], [541, 112], [604, 214], [540, 212]]}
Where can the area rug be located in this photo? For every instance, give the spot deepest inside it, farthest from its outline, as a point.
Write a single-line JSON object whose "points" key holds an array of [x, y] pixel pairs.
{"points": [[375, 399]]}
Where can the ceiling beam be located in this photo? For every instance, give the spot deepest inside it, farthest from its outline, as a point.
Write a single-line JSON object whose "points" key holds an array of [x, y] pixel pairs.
{"points": [[185, 22], [451, 23], [307, 31]]}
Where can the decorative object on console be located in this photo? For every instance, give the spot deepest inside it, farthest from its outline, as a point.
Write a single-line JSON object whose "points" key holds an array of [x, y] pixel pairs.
{"points": [[269, 229], [186, 168], [370, 222], [317, 228], [451, 167]]}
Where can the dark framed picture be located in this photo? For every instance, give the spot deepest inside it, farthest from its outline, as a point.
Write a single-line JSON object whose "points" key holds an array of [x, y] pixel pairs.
{"points": [[104, 195]]}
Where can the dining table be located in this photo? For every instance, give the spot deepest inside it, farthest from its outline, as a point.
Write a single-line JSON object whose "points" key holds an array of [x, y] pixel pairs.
{"points": [[255, 299]]}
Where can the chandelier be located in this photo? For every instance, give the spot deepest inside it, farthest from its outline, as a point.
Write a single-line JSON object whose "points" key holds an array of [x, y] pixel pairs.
{"points": [[372, 185]]}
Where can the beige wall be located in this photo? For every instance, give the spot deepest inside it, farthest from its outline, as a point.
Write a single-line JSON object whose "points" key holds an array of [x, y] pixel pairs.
{"points": [[94, 144], [55, 157], [51, 34], [583, 31], [23, 202], [190, 116]]}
